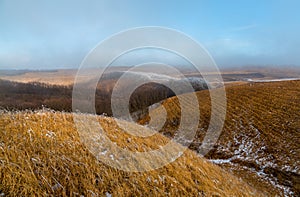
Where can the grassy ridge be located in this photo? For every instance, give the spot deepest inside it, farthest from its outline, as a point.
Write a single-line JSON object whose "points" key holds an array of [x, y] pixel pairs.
{"points": [[41, 154]]}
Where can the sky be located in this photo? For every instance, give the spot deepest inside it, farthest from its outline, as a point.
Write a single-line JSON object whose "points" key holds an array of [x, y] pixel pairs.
{"points": [[59, 34]]}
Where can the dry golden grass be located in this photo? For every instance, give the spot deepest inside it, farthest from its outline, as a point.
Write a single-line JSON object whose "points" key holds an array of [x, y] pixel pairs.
{"points": [[41, 155]]}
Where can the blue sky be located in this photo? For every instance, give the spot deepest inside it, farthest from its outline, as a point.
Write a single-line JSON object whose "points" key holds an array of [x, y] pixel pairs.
{"points": [[58, 34]]}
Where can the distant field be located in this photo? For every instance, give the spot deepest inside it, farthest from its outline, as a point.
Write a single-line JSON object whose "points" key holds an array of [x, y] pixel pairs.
{"points": [[52, 77], [58, 77], [67, 76]]}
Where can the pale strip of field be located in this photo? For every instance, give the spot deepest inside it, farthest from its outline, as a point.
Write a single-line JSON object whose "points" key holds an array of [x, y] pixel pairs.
{"points": [[58, 77], [273, 80], [67, 76]]}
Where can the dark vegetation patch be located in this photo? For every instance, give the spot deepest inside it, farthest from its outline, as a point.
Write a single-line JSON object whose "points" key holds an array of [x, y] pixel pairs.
{"points": [[35, 95]]}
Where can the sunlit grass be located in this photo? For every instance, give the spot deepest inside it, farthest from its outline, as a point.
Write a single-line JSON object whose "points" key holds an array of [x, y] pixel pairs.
{"points": [[41, 154]]}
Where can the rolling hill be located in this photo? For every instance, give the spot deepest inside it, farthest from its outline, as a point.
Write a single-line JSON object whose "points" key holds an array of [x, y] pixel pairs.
{"points": [[261, 135], [41, 154]]}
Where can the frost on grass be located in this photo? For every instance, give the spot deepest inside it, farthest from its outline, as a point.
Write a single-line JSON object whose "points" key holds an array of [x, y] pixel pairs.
{"points": [[35, 164]]}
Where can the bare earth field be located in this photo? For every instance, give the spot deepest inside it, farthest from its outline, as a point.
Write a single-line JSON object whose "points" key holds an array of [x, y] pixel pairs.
{"points": [[261, 135]]}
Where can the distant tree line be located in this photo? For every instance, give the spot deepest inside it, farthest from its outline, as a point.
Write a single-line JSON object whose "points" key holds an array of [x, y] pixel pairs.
{"points": [[20, 96], [35, 95]]}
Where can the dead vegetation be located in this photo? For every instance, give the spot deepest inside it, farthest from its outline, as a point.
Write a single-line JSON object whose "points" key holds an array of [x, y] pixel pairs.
{"points": [[41, 155]]}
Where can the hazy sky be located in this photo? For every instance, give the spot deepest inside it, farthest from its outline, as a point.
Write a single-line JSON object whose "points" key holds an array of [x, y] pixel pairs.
{"points": [[58, 34]]}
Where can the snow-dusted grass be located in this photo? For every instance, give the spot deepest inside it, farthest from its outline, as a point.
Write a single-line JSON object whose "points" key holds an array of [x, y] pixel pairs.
{"points": [[41, 154]]}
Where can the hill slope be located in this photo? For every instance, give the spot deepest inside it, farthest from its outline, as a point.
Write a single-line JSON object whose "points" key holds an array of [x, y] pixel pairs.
{"points": [[261, 135], [41, 154]]}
